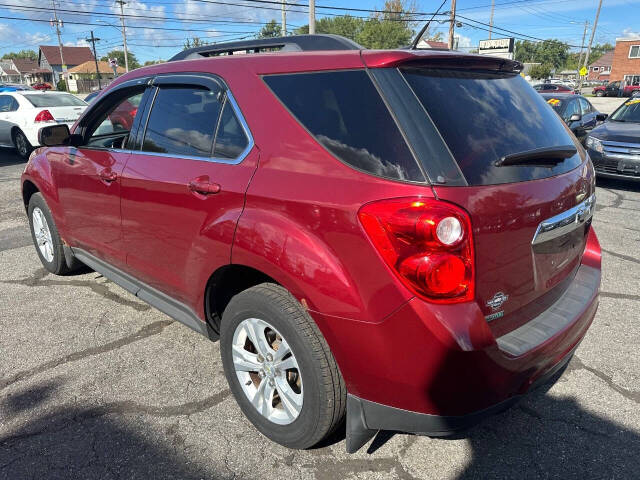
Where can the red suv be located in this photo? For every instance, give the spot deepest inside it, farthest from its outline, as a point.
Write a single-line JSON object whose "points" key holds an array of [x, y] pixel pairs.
{"points": [[400, 236]]}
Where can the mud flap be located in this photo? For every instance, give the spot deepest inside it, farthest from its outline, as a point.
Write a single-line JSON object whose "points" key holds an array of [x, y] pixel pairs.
{"points": [[357, 431]]}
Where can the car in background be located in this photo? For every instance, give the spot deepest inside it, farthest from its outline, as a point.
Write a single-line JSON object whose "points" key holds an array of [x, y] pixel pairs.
{"points": [[614, 146], [23, 113], [89, 98], [42, 86], [13, 87], [613, 90], [552, 88], [576, 111]]}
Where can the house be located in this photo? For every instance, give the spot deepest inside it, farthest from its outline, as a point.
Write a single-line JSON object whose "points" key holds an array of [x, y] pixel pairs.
{"points": [[30, 73], [567, 75], [49, 58], [432, 44], [83, 78], [626, 61], [601, 68], [8, 74]]}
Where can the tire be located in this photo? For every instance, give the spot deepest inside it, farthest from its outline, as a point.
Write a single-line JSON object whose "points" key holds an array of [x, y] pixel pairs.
{"points": [[52, 253], [23, 147], [321, 400], [599, 93]]}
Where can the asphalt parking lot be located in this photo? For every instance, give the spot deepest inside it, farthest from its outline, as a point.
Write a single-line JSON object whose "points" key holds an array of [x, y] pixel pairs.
{"points": [[96, 384]]}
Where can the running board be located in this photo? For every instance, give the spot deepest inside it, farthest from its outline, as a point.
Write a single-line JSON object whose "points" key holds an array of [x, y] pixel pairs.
{"points": [[163, 302]]}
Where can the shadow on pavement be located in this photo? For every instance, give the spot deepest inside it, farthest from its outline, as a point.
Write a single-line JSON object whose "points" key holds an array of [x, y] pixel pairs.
{"points": [[8, 156], [90, 443], [616, 184]]}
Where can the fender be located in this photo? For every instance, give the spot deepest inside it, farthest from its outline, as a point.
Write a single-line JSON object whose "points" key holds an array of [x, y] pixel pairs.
{"points": [[301, 262], [39, 172]]}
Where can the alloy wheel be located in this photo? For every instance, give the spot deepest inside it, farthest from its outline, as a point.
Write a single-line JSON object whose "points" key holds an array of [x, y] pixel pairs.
{"points": [[42, 234], [268, 371], [21, 144]]}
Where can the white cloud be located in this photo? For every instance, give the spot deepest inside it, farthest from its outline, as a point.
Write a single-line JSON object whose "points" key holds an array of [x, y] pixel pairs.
{"points": [[628, 33], [464, 42]]}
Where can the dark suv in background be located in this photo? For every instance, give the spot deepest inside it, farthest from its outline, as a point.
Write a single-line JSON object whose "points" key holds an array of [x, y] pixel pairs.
{"points": [[404, 236]]}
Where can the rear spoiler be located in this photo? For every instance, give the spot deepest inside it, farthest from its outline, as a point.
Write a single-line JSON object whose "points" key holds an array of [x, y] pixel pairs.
{"points": [[438, 59]]}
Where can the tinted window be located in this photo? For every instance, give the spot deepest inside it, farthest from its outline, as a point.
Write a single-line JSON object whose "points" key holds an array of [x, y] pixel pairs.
{"points": [[230, 138], [43, 100], [345, 113], [485, 116], [182, 122], [573, 108], [585, 105]]}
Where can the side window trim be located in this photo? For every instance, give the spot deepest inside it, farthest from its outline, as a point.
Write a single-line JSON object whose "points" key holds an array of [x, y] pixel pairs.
{"points": [[201, 80]]}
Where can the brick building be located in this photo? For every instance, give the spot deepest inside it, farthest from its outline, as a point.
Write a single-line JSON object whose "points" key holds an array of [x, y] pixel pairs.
{"points": [[626, 61], [600, 70]]}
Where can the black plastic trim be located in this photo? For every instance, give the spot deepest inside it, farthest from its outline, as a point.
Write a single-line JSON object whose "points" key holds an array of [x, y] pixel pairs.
{"points": [[163, 302]]}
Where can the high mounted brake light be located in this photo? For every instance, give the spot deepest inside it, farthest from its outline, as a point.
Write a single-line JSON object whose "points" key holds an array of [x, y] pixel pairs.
{"points": [[427, 243]]}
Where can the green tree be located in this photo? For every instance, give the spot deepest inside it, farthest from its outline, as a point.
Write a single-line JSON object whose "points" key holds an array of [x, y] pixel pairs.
{"points": [[540, 72], [194, 42], [119, 55], [550, 52], [344, 25], [30, 54], [270, 30], [152, 62]]}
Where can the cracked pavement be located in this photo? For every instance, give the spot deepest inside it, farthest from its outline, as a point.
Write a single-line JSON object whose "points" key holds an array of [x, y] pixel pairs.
{"points": [[96, 384]]}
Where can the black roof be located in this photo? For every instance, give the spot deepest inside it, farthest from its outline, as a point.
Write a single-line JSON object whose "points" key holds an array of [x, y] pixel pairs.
{"points": [[293, 43]]}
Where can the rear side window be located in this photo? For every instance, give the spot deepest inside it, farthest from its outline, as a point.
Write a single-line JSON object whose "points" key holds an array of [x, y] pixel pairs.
{"points": [[345, 113], [230, 138], [44, 100], [484, 116], [182, 122]]}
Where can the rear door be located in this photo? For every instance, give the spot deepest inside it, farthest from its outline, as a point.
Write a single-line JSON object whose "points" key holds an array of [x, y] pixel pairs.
{"points": [[483, 117], [183, 189]]}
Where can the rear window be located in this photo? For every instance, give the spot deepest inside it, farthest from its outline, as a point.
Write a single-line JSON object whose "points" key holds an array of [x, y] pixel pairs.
{"points": [[345, 113], [485, 116], [43, 100]]}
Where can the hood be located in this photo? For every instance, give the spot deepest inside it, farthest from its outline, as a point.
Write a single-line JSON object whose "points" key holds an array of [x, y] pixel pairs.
{"points": [[617, 132]]}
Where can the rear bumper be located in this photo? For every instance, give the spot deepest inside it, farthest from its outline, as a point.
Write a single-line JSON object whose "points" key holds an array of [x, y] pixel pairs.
{"points": [[436, 369]]}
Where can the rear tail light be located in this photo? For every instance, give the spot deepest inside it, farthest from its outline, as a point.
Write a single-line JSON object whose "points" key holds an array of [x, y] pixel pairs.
{"points": [[427, 243], [44, 116]]}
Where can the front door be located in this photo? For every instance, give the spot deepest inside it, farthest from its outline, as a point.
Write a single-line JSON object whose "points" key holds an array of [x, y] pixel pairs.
{"points": [[183, 192], [8, 107], [89, 179]]}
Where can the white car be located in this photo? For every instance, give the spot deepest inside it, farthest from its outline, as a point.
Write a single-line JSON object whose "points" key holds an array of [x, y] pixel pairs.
{"points": [[23, 113]]}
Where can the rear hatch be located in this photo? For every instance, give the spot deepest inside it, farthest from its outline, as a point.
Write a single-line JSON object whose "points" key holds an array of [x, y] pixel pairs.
{"points": [[64, 107], [514, 166]]}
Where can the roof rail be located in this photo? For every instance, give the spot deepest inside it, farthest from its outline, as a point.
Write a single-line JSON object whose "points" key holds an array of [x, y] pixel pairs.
{"points": [[293, 43]]}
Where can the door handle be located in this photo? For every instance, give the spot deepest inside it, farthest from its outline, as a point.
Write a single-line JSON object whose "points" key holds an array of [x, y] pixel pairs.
{"points": [[203, 187], [108, 176]]}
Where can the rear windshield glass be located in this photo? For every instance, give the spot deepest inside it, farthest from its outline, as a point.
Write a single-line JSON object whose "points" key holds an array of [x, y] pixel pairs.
{"points": [[485, 116], [41, 100], [345, 113]]}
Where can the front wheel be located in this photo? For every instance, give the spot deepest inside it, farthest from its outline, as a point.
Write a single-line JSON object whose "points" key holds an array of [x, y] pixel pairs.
{"points": [[279, 367], [599, 93], [22, 145]]}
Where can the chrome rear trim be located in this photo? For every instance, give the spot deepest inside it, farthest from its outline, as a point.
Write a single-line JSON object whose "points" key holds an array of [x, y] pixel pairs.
{"points": [[565, 222]]}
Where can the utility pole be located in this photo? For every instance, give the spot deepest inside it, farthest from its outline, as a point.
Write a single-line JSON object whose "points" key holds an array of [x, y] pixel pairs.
{"points": [[452, 23], [57, 25], [93, 41], [122, 3], [284, 18], [493, 6], [584, 36], [593, 33], [312, 16]]}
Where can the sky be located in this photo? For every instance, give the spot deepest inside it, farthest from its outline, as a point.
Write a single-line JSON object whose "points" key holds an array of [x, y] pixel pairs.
{"points": [[24, 24]]}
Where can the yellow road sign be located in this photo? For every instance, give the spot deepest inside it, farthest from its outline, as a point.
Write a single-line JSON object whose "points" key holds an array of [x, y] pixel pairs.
{"points": [[583, 71]]}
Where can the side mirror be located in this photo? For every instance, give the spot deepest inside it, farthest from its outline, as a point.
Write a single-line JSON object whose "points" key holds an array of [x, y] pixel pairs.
{"points": [[601, 117], [54, 135], [576, 117]]}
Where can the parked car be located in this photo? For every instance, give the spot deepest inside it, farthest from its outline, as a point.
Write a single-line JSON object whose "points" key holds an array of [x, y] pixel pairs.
{"points": [[12, 87], [614, 146], [355, 242], [552, 88], [22, 113], [612, 89], [42, 86], [576, 111], [92, 95]]}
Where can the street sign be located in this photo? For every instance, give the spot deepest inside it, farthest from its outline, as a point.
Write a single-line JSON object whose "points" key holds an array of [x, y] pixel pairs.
{"points": [[497, 47], [583, 71]]}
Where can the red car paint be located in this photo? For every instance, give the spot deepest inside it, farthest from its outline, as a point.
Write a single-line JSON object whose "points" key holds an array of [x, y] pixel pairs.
{"points": [[290, 211], [41, 86]]}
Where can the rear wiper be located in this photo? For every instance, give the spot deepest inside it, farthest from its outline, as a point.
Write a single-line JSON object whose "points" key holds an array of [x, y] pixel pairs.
{"points": [[544, 156]]}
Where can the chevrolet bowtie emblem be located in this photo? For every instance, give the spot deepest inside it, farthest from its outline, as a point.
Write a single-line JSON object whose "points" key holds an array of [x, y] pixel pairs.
{"points": [[498, 299]]}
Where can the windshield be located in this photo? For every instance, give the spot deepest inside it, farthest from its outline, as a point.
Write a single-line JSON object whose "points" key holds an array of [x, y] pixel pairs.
{"points": [[629, 111], [557, 104], [485, 116], [43, 100]]}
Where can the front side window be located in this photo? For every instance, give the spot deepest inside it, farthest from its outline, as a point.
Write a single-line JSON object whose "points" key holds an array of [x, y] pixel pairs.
{"points": [[573, 108], [346, 115], [585, 105], [182, 122], [111, 128]]}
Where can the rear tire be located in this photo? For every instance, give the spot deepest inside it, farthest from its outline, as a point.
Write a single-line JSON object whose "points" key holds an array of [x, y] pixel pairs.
{"points": [[46, 239], [23, 147], [320, 393], [599, 93]]}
